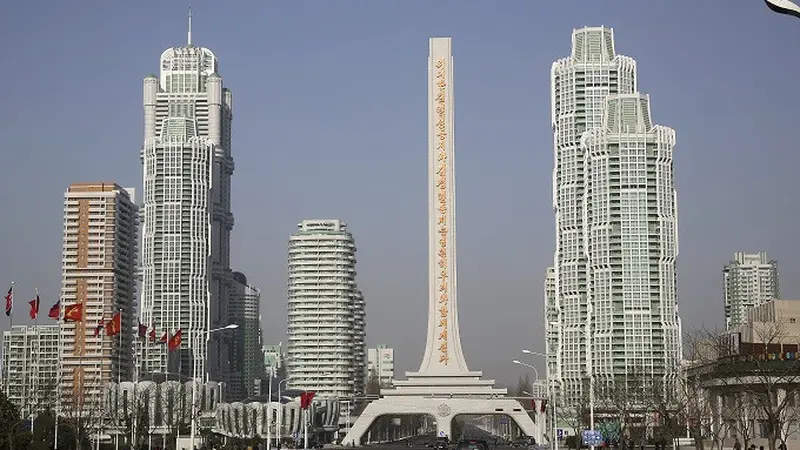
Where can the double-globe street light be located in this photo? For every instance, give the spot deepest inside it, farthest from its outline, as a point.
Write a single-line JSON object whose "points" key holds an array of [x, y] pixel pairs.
{"points": [[207, 334]]}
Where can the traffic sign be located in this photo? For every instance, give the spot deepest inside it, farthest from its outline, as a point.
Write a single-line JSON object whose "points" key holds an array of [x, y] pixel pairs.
{"points": [[441, 433], [592, 438], [503, 420], [560, 433]]}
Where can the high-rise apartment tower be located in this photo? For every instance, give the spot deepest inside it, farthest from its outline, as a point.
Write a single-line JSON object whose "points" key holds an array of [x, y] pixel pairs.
{"points": [[187, 211], [30, 367], [98, 272], [613, 284], [751, 279], [325, 325], [246, 359]]}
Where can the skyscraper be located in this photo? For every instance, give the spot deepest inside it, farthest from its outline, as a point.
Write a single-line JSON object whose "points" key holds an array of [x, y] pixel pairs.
{"points": [[246, 360], [380, 365], [99, 273], [751, 279], [614, 306], [187, 212], [325, 352]]}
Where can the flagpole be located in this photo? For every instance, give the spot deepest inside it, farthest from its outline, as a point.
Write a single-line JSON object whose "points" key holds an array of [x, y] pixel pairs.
{"points": [[10, 312], [33, 357], [119, 369], [178, 376], [58, 377]]}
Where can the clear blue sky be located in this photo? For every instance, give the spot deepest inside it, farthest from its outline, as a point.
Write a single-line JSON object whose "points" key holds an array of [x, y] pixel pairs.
{"points": [[330, 121]]}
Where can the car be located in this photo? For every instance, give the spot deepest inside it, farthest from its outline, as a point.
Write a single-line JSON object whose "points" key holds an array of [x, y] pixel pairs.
{"points": [[441, 443], [472, 444]]}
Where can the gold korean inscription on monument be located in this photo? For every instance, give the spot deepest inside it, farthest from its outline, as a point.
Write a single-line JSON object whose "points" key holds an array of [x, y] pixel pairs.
{"points": [[440, 184]]}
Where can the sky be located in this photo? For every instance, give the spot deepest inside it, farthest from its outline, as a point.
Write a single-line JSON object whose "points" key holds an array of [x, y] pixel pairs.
{"points": [[330, 122]]}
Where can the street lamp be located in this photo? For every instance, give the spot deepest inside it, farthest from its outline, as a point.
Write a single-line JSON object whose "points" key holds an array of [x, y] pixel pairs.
{"points": [[232, 326], [552, 394], [786, 7], [535, 371]]}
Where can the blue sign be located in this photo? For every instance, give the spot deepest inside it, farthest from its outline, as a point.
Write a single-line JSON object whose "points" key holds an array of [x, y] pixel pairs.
{"points": [[503, 420], [560, 433], [441, 433], [592, 438]]}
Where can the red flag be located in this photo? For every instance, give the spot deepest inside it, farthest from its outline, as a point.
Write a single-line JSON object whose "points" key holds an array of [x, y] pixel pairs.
{"points": [[34, 307], [73, 313], [9, 300], [100, 326], [533, 404], [142, 330], [544, 406], [55, 310], [306, 398], [175, 340], [114, 326], [165, 338], [153, 334]]}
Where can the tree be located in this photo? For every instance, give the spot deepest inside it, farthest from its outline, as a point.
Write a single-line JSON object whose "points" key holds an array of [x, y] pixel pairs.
{"points": [[752, 373], [373, 386], [10, 422], [83, 410], [576, 416], [625, 398], [523, 385]]}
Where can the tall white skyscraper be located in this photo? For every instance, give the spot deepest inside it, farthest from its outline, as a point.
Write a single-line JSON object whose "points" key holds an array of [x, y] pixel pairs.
{"points": [[751, 279], [325, 324], [612, 289], [187, 216]]}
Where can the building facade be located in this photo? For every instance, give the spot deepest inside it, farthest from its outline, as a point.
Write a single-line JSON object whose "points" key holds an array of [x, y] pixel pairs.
{"points": [[325, 308], [245, 357], [99, 273], [743, 384], [30, 367], [614, 298], [187, 217], [750, 280], [380, 365], [360, 342]]}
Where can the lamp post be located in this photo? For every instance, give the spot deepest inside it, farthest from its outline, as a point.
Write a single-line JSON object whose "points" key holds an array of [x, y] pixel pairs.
{"points": [[552, 394], [232, 326], [535, 371], [786, 7]]}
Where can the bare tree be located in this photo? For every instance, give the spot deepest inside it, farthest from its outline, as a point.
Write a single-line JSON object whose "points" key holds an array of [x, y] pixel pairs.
{"points": [[84, 409], [576, 416], [752, 375], [626, 399]]}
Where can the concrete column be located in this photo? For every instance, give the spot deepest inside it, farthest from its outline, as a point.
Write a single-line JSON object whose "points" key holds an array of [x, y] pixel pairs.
{"points": [[444, 425]]}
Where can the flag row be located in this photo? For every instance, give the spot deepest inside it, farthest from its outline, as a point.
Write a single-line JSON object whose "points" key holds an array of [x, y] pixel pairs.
{"points": [[74, 313]]}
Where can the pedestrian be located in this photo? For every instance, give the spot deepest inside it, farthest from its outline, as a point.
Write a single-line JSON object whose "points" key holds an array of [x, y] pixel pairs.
{"points": [[737, 445]]}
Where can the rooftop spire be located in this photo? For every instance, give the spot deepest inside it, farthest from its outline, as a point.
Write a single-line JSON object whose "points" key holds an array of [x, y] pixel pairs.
{"points": [[189, 34]]}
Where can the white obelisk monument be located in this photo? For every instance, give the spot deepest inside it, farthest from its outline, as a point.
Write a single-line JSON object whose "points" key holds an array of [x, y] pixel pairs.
{"points": [[444, 387]]}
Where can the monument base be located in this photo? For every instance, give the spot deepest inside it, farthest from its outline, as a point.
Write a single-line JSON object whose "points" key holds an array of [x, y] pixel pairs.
{"points": [[443, 396], [443, 410]]}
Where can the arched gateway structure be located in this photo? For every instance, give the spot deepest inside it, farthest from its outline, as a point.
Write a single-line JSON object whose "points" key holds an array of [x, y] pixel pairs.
{"points": [[444, 387]]}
